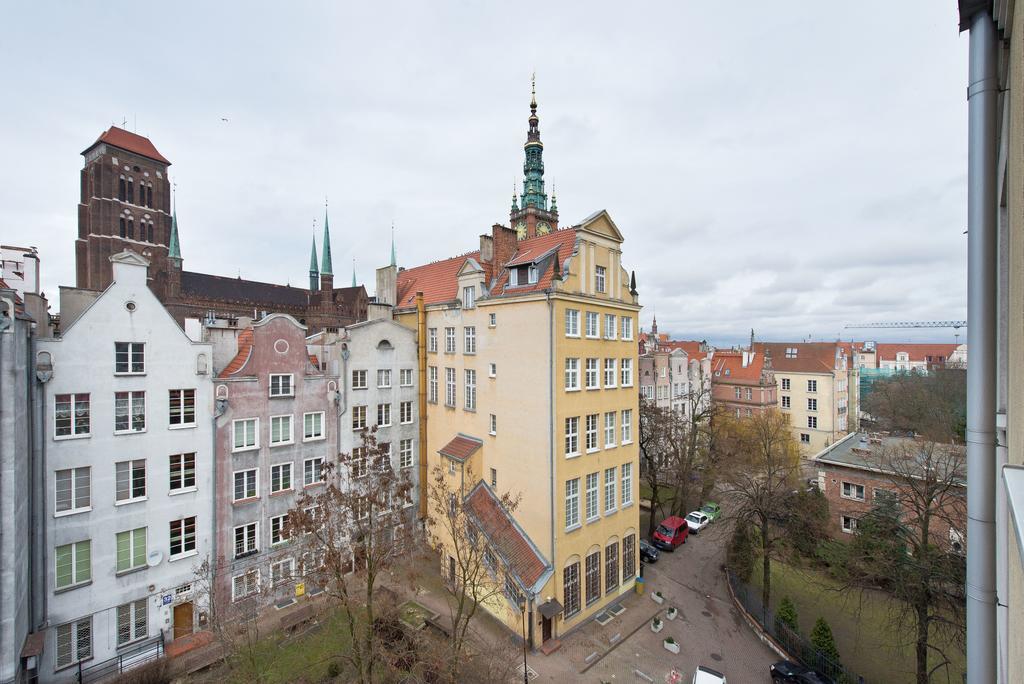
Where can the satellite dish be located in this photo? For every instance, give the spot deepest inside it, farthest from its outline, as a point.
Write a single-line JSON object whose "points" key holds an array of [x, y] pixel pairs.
{"points": [[153, 558]]}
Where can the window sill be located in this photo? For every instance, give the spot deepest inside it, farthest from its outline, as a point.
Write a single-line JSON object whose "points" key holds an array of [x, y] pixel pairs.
{"points": [[282, 396], [493, 434], [243, 449], [624, 385], [594, 519], [129, 432], [595, 387], [627, 442], [126, 374], [182, 426], [314, 439], [573, 528], [72, 587], [130, 571], [74, 511], [611, 512], [468, 410], [182, 556], [127, 502], [575, 337], [594, 450], [277, 444], [282, 492], [610, 446], [246, 500], [626, 505], [575, 454], [183, 490], [406, 422], [383, 386], [313, 484], [572, 389], [384, 425], [360, 387], [61, 438], [61, 668], [611, 386]]}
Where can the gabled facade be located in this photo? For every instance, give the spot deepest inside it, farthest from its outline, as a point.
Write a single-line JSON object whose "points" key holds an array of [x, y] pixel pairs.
{"points": [[743, 381]]}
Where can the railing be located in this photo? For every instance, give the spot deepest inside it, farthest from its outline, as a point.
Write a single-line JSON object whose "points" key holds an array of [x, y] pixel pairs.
{"points": [[795, 644], [144, 652]]}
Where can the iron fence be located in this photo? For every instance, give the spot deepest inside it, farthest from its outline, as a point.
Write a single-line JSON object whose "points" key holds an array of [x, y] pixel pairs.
{"points": [[144, 652]]}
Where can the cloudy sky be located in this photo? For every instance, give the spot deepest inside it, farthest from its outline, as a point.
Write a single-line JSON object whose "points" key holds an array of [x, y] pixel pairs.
{"points": [[784, 166]]}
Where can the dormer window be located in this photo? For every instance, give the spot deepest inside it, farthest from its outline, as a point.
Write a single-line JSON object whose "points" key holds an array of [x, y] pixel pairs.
{"points": [[513, 277], [469, 297], [531, 274], [790, 352]]}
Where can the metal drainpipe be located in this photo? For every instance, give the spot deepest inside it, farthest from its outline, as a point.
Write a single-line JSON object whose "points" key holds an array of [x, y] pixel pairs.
{"points": [[220, 407], [981, 336], [421, 393]]}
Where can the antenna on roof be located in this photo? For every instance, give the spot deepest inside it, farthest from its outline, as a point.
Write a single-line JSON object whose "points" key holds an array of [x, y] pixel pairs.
{"points": [[124, 122]]}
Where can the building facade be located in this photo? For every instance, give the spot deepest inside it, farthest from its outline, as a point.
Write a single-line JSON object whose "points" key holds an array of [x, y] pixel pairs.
{"points": [[674, 374], [129, 463], [743, 382]]}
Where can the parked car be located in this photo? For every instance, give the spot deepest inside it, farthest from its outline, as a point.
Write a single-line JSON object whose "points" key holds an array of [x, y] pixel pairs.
{"points": [[712, 510], [705, 675], [697, 520], [672, 532], [795, 673], [648, 554]]}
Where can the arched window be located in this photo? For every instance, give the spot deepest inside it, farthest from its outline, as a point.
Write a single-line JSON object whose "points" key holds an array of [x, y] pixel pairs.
{"points": [[149, 196], [121, 189], [131, 191], [131, 229], [122, 227], [150, 231]]}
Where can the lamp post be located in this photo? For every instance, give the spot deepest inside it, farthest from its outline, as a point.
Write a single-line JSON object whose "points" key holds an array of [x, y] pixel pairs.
{"points": [[522, 611]]}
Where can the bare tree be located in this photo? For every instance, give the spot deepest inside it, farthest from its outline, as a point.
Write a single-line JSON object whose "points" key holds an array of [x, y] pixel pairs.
{"points": [[689, 446], [757, 482], [653, 456], [933, 405], [349, 534], [911, 545]]}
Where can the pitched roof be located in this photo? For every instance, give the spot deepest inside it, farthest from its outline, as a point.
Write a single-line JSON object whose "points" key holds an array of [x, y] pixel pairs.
{"points": [[517, 550], [561, 242], [916, 352], [438, 280], [727, 366], [461, 447], [132, 142], [246, 339], [811, 357]]}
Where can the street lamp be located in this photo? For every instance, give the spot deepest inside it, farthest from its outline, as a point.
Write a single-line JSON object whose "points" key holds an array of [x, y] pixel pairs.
{"points": [[522, 611]]}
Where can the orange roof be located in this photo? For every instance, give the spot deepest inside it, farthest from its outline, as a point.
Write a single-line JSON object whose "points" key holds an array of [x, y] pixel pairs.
{"points": [[508, 539], [727, 366], [132, 142], [461, 447], [245, 342], [563, 241], [811, 357], [916, 352]]}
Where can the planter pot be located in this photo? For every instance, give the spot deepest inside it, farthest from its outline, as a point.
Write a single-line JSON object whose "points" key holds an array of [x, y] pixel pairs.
{"points": [[657, 626], [672, 647], [657, 598], [671, 613]]}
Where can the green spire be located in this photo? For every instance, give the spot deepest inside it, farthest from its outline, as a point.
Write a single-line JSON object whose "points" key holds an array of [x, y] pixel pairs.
{"points": [[533, 167], [313, 269], [354, 272], [515, 202], [394, 260], [327, 268], [554, 200], [174, 249]]}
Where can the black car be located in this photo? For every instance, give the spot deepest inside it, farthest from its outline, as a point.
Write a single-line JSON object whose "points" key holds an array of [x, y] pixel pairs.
{"points": [[648, 554], [788, 671]]}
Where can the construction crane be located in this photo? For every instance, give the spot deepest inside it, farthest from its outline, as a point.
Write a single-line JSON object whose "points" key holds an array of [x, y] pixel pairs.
{"points": [[955, 325]]}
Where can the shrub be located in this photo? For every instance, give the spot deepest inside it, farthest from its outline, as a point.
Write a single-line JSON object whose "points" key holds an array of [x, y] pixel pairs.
{"points": [[787, 615], [333, 670], [153, 672], [823, 641], [740, 555]]}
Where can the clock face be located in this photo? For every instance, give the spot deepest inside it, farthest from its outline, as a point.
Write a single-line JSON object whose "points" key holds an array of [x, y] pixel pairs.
{"points": [[543, 228], [521, 230]]}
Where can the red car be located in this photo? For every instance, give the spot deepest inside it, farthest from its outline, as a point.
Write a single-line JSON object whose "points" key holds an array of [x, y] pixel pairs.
{"points": [[672, 532]]}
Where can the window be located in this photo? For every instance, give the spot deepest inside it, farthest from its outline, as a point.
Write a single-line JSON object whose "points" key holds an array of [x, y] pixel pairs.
{"points": [[785, 401], [812, 404], [182, 472], [129, 357], [405, 457], [592, 374], [281, 385], [572, 323], [405, 412], [131, 549], [812, 385], [785, 384], [246, 584], [610, 502], [749, 394], [383, 415], [593, 323], [469, 297], [593, 576], [449, 340], [469, 339], [358, 463], [74, 642], [531, 274], [805, 438], [282, 571], [627, 328], [432, 339], [358, 417], [492, 370], [281, 430], [791, 352], [246, 434], [470, 387], [627, 372], [182, 407], [131, 481], [494, 477], [246, 484], [610, 371], [432, 384], [571, 589], [572, 436], [591, 425], [572, 374], [405, 377], [449, 387], [71, 415], [312, 426], [73, 564], [280, 477], [572, 503], [492, 320], [313, 471], [849, 523], [627, 426], [121, 189], [737, 392], [611, 566], [592, 494], [609, 429], [183, 536], [359, 379], [245, 540], [628, 556], [129, 412], [72, 490], [132, 621], [278, 527], [853, 491], [627, 484], [609, 326], [599, 274], [812, 422], [384, 378]]}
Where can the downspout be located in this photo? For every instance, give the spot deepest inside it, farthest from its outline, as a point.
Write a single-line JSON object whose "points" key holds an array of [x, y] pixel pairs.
{"points": [[220, 406], [551, 424], [41, 617], [982, 92], [421, 393]]}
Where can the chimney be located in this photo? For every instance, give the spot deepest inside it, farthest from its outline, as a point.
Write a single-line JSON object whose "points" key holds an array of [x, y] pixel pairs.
{"points": [[387, 285], [486, 249], [504, 245]]}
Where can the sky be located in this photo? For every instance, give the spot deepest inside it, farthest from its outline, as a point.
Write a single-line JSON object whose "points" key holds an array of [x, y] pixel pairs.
{"points": [[788, 167]]}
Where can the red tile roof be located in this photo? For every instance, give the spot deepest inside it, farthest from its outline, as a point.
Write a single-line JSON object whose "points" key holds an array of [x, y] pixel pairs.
{"points": [[562, 241], [519, 553], [727, 367], [917, 352], [811, 357], [132, 142], [245, 342], [461, 447]]}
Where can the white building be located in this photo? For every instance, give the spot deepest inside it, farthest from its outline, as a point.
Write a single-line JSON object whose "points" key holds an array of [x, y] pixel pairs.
{"points": [[128, 459]]}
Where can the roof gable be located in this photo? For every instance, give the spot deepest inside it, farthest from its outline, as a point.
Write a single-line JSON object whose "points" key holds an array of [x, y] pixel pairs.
{"points": [[600, 223], [131, 142]]}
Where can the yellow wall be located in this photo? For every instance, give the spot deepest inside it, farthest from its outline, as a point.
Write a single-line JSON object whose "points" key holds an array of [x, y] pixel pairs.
{"points": [[829, 391]]}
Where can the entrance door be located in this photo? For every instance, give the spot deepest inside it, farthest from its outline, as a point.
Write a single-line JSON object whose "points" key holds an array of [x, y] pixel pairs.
{"points": [[545, 629], [182, 619]]}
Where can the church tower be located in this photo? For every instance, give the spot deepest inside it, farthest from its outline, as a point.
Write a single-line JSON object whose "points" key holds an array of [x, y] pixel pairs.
{"points": [[125, 204], [532, 216]]}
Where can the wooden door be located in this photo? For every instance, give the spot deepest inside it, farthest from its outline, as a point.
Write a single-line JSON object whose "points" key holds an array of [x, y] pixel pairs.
{"points": [[546, 629], [182, 619]]}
